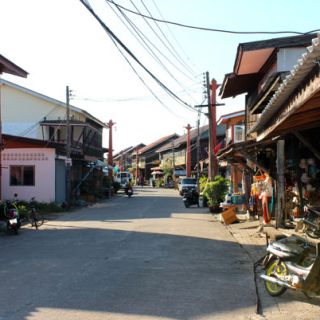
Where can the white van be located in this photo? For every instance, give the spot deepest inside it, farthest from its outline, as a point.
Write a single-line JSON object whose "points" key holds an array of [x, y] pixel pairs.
{"points": [[123, 178]]}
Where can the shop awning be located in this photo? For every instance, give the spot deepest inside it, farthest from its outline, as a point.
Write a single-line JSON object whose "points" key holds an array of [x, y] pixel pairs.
{"points": [[239, 153]]}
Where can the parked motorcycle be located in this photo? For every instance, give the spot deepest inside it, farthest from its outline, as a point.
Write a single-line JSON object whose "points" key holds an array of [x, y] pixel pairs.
{"points": [[11, 215], [292, 263], [190, 197], [311, 221]]}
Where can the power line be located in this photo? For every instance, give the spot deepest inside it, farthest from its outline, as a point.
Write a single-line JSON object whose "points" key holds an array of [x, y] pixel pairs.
{"points": [[141, 79], [126, 49], [171, 48], [210, 29], [173, 36], [149, 49]]}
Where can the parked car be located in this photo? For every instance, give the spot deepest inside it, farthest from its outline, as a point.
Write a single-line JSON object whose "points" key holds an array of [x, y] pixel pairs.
{"points": [[187, 184]]}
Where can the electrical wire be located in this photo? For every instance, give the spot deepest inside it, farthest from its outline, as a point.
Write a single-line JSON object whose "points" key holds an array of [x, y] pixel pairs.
{"points": [[210, 29], [174, 38], [129, 52], [141, 79], [169, 47], [149, 49]]}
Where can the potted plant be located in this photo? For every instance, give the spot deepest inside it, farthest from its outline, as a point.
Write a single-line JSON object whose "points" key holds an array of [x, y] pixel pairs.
{"points": [[215, 191]]}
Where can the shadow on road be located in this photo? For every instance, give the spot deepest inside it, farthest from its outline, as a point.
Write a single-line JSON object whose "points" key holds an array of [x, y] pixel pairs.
{"points": [[88, 263]]}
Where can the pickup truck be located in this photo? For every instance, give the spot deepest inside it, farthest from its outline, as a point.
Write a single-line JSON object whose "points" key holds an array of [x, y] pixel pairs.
{"points": [[185, 184]]}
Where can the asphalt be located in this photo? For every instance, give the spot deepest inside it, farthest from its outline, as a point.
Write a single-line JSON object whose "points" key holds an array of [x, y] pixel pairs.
{"points": [[140, 258]]}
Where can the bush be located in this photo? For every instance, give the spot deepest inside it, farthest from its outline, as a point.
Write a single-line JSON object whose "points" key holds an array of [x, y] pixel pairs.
{"points": [[159, 183], [216, 190], [202, 183], [51, 207]]}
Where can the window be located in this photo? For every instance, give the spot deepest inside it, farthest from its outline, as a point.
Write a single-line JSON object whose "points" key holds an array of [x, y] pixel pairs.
{"points": [[238, 133], [22, 175]]}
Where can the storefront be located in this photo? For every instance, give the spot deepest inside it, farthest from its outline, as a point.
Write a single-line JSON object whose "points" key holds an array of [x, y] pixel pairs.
{"points": [[292, 117]]}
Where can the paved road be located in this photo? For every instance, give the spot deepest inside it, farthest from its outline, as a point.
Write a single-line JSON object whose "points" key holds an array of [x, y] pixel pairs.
{"points": [[146, 257]]}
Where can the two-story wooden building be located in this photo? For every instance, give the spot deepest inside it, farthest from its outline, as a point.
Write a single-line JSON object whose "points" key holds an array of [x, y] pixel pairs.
{"points": [[174, 152], [266, 71], [31, 115]]}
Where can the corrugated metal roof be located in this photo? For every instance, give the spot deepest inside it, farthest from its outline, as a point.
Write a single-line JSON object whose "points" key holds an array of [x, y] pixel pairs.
{"points": [[304, 65]]}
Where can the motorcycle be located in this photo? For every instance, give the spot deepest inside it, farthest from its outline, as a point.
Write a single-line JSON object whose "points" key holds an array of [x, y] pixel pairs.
{"points": [[292, 263], [12, 217], [128, 190], [311, 221], [190, 197]]}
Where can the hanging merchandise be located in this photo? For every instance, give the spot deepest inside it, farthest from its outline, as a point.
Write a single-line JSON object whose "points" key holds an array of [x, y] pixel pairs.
{"points": [[261, 198], [265, 196]]}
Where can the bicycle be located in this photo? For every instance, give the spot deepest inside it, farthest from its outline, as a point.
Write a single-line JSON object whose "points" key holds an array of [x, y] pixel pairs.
{"points": [[32, 216]]}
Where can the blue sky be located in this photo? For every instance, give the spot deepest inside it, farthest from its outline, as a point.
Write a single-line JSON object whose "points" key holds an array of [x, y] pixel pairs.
{"points": [[59, 43]]}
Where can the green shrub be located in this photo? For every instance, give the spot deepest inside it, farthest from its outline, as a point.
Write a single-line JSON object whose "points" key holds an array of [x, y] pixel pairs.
{"points": [[216, 190], [202, 183], [159, 183]]}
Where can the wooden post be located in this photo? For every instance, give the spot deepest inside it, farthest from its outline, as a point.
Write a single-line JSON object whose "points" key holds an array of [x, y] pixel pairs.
{"points": [[137, 166], [280, 184]]}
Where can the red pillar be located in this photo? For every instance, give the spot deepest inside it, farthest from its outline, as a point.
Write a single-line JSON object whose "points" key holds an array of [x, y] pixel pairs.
{"points": [[137, 166], [110, 154], [188, 154], [213, 103]]}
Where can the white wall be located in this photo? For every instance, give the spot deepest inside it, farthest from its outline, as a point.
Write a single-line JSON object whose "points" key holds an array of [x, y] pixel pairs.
{"points": [[44, 161], [22, 112], [287, 58]]}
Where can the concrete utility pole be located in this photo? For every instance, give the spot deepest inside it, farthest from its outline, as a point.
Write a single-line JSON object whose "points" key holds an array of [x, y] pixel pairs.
{"points": [[188, 155], [110, 124], [68, 148], [214, 125], [211, 147], [198, 147]]}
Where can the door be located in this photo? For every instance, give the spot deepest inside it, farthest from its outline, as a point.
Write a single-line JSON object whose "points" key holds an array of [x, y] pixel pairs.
{"points": [[60, 181]]}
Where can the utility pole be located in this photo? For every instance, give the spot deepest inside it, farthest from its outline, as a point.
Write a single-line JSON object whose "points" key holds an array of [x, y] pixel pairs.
{"points": [[214, 104], [213, 164], [188, 155], [198, 147], [68, 149], [110, 124], [210, 153]]}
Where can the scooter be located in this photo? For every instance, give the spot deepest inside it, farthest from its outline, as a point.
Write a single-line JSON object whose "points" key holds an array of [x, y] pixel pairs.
{"points": [[12, 216], [128, 190], [292, 263], [190, 197]]}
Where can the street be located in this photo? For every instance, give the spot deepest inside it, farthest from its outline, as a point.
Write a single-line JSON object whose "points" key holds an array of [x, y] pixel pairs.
{"points": [[146, 257]]}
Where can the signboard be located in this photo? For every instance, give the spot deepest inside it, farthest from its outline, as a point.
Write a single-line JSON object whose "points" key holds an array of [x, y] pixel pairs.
{"points": [[68, 162]]}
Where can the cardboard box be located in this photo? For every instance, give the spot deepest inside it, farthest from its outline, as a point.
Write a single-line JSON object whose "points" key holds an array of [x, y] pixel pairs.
{"points": [[229, 216]]}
